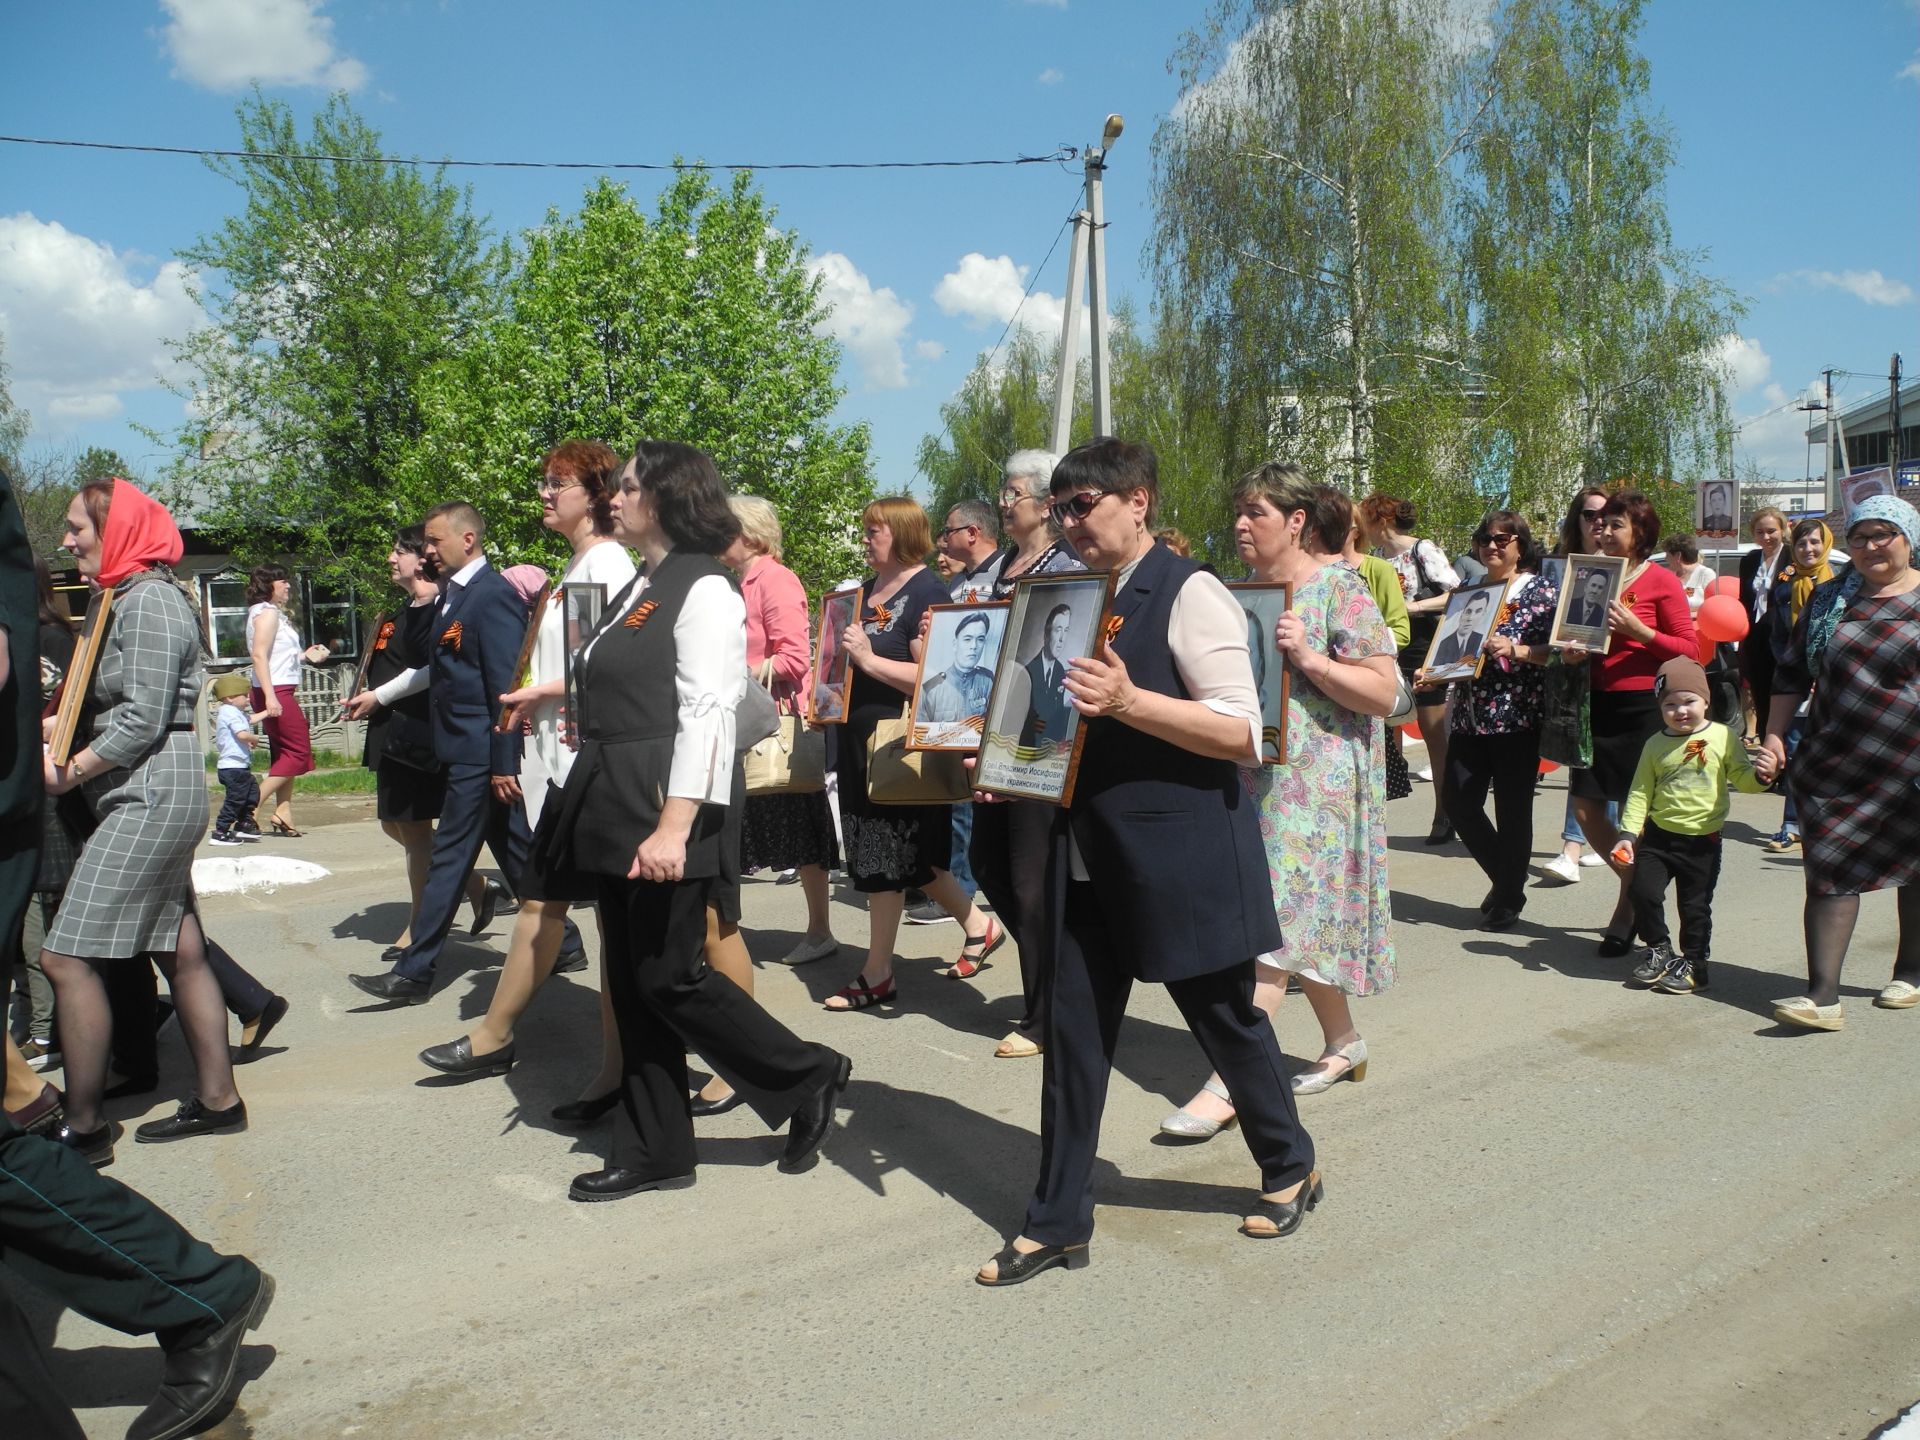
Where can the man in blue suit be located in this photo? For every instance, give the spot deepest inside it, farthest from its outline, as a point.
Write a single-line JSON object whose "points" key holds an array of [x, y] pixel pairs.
{"points": [[476, 643], [1049, 712]]}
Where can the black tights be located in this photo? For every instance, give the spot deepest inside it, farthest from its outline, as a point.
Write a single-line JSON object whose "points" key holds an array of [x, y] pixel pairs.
{"points": [[1829, 926]]}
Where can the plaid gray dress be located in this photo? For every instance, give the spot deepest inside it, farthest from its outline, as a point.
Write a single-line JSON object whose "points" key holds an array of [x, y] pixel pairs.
{"points": [[1856, 776], [133, 881]]}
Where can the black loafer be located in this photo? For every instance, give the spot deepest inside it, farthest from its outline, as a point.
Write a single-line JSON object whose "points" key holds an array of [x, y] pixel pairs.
{"points": [[392, 954], [811, 1122], [1612, 946], [1441, 834], [570, 962], [1012, 1266], [275, 1012], [396, 988], [1501, 917], [457, 1058], [1286, 1215], [488, 907], [585, 1112], [702, 1108], [192, 1118], [198, 1379], [617, 1183], [95, 1146]]}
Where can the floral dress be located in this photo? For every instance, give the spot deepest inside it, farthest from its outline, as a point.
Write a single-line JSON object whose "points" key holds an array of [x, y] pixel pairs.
{"points": [[1323, 813]]}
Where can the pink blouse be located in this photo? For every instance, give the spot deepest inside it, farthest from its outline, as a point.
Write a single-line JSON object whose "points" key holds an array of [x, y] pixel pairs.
{"points": [[777, 622]]}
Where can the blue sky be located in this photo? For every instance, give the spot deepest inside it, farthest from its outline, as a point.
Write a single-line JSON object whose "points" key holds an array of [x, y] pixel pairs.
{"points": [[1797, 174]]}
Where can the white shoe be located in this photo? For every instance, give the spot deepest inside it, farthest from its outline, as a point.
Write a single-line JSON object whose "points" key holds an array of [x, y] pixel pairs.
{"points": [[1425, 772], [1801, 1011], [1354, 1052], [1561, 868], [1898, 996], [807, 951], [1592, 859], [1186, 1125]]}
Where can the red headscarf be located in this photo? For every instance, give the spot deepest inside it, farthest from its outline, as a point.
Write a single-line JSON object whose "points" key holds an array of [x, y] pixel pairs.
{"points": [[140, 533]]}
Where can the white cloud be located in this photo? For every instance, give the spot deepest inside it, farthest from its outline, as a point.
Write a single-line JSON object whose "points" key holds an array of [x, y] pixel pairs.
{"points": [[986, 292], [1869, 286], [929, 349], [1774, 437], [870, 323], [1050, 76], [230, 44], [82, 328], [1746, 361], [1911, 70]]}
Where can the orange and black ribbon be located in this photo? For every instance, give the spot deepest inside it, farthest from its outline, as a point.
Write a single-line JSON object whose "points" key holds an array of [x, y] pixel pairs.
{"points": [[451, 640], [1112, 628], [386, 634], [642, 613], [1696, 751], [882, 616]]}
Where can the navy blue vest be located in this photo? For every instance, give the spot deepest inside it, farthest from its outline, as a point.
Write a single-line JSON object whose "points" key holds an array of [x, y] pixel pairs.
{"points": [[1171, 839]]}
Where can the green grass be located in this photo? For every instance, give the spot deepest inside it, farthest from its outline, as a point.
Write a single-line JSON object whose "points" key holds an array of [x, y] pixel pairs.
{"points": [[333, 774]]}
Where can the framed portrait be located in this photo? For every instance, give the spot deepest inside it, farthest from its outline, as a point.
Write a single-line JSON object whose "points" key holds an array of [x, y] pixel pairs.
{"points": [[1031, 745], [523, 667], [582, 603], [832, 666], [79, 678], [1856, 489], [955, 679], [1458, 648], [383, 627], [1553, 570], [1592, 583], [1264, 604], [1716, 508]]}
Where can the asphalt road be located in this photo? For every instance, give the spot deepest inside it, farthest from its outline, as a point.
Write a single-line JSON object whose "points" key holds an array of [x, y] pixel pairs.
{"points": [[1556, 1207]]}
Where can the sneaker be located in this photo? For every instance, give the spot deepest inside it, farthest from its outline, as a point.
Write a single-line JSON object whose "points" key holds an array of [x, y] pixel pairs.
{"points": [[1654, 961], [222, 837], [927, 913], [248, 829], [1682, 977], [1425, 772], [1561, 868], [41, 1054], [1591, 859]]}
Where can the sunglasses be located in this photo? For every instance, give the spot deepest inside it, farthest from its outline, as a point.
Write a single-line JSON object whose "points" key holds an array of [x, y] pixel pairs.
{"points": [[1592, 517], [1078, 507], [1501, 540]]}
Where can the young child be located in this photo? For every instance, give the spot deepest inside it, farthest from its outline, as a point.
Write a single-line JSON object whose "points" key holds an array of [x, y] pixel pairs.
{"points": [[1679, 801], [233, 742]]}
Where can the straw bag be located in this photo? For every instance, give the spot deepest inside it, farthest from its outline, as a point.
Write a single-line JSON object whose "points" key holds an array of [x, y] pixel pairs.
{"points": [[792, 760], [899, 776]]}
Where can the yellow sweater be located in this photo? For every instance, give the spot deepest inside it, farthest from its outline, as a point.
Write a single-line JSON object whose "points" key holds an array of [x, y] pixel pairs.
{"points": [[1681, 781]]}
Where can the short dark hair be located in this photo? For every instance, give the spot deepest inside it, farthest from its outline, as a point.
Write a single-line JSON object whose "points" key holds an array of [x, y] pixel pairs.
{"points": [[1512, 522], [1113, 467], [1685, 546], [689, 497], [978, 514], [1056, 611], [978, 617], [1330, 517], [1641, 515], [459, 514], [261, 580], [411, 540]]}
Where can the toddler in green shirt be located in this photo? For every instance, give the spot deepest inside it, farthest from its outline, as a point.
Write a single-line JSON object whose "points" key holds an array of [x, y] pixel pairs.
{"points": [[1670, 829]]}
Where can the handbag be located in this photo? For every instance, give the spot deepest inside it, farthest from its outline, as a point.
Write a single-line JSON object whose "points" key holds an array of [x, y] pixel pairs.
{"points": [[1566, 722], [790, 759], [408, 741], [899, 776]]}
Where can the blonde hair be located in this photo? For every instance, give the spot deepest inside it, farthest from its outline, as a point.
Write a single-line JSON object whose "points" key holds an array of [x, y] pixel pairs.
{"points": [[759, 523], [908, 524]]}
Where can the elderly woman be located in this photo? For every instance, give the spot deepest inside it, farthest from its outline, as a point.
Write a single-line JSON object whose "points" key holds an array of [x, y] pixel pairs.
{"points": [[1159, 872], [1495, 740], [576, 493], [1811, 549], [1856, 649], [1008, 853], [1650, 625], [273, 644], [1322, 814], [143, 777], [893, 847]]}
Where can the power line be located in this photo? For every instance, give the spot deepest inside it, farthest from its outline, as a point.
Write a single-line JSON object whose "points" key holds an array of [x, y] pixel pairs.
{"points": [[1038, 270], [1059, 154]]}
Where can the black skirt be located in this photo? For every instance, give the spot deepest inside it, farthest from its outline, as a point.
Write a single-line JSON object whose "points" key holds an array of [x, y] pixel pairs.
{"points": [[784, 832], [543, 879], [405, 794], [1623, 722]]}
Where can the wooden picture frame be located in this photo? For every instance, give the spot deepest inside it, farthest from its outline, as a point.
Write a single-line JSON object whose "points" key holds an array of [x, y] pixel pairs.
{"points": [[1580, 599], [523, 666], [832, 676], [78, 682], [1458, 648], [582, 603], [950, 697], [1030, 748], [1264, 602], [1716, 508], [383, 628]]}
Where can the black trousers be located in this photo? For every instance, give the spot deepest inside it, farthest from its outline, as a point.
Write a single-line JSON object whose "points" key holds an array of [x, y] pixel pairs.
{"points": [[469, 817], [1692, 863], [1009, 859], [109, 1253], [1088, 1002], [243, 795], [667, 1001], [1508, 764]]}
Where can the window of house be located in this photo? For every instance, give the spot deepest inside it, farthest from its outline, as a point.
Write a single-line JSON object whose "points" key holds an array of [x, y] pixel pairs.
{"points": [[223, 601], [326, 613], [330, 617]]}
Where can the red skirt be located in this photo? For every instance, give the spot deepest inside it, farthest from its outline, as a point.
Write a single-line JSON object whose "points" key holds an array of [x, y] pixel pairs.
{"points": [[289, 743]]}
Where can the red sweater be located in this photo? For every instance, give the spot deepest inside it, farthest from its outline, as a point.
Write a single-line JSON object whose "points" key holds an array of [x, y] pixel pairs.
{"points": [[1657, 597]]}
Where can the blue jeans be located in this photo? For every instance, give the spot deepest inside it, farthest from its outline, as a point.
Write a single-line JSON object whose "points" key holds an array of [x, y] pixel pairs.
{"points": [[1790, 817], [960, 868], [1571, 832]]}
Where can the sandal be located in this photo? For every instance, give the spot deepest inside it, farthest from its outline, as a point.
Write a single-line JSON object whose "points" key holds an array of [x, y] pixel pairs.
{"points": [[1286, 1216], [280, 827], [861, 996], [972, 962]]}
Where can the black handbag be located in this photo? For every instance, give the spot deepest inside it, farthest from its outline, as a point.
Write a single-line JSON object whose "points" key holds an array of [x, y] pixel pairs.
{"points": [[408, 741]]}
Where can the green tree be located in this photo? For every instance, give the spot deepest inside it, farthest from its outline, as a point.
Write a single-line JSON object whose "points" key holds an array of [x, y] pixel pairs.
{"points": [[999, 408], [1599, 338], [15, 424], [698, 324], [328, 298]]}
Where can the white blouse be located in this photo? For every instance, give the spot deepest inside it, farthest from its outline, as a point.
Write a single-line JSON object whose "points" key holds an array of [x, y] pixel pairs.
{"points": [[283, 659], [546, 756], [709, 679]]}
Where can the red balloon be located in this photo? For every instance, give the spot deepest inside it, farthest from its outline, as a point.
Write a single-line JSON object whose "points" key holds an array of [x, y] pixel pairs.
{"points": [[1707, 649], [1725, 585], [1721, 618]]}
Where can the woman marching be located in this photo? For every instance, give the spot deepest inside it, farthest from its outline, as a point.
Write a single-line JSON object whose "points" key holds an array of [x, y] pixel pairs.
{"points": [[1158, 873], [659, 682], [145, 780], [1812, 567], [273, 644]]}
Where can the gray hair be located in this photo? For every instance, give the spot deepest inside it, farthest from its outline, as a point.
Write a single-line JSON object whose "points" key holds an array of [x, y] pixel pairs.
{"points": [[979, 513], [1034, 468]]}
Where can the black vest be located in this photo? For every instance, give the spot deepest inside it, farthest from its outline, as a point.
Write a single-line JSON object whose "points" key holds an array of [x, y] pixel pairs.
{"points": [[618, 784], [1171, 839]]}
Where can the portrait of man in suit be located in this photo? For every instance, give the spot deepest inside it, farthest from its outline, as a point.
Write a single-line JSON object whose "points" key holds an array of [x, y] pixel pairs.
{"points": [[1716, 508], [1462, 644], [953, 704], [1587, 609], [1049, 712]]}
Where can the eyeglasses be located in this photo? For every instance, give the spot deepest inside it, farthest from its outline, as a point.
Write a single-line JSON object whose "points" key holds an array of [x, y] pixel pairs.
{"points": [[1078, 507], [1592, 517], [1500, 540], [550, 486], [952, 530], [1011, 498], [1871, 539]]}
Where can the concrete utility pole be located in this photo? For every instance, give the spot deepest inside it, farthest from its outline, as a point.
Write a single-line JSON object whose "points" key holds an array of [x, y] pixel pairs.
{"points": [[1893, 438], [1835, 469], [1089, 248]]}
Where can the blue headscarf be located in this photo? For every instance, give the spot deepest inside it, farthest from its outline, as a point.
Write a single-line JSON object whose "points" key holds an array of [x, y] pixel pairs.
{"points": [[1895, 512]]}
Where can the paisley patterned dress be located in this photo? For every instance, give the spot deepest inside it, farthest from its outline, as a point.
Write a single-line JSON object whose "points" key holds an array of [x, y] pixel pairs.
{"points": [[1323, 813]]}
